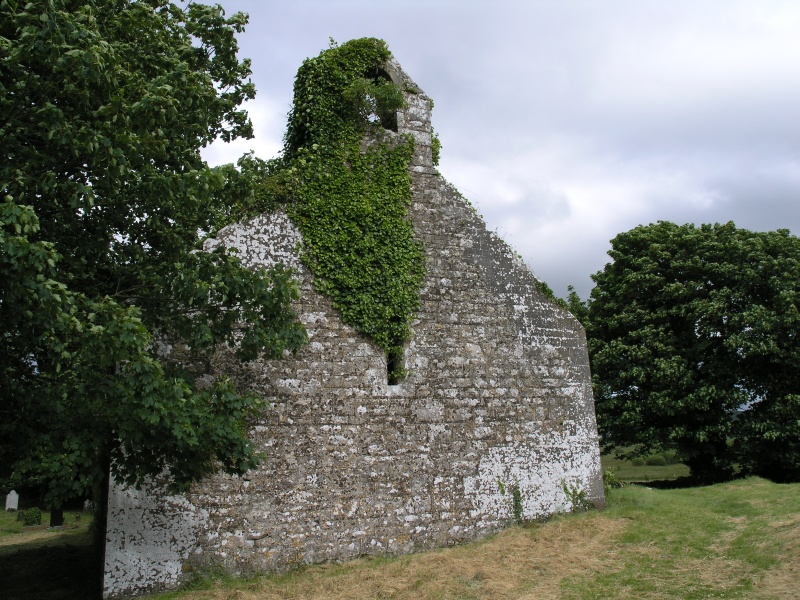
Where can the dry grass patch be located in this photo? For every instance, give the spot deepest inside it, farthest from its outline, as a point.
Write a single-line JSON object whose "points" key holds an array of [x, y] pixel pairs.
{"points": [[516, 563], [783, 581]]}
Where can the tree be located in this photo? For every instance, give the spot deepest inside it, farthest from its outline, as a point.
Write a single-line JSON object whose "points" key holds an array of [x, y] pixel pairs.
{"points": [[578, 308], [110, 307], [693, 342]]}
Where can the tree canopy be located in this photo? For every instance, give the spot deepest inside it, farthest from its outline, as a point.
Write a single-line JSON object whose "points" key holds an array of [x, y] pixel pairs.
{"points": [[110, 307], [693, 336]]}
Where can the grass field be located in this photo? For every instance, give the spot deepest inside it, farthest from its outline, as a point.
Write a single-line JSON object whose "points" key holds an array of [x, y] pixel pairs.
{"points": [[734, 540], [38, 563], [10, 527], [628, 471]]}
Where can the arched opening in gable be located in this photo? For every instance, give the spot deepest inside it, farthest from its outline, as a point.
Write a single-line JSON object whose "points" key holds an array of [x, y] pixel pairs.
{"points": [[387, 118]]}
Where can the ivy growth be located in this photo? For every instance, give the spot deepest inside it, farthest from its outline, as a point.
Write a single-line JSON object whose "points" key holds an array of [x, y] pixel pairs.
{"points": [[350, 198], [436, 148], [516, 500]]}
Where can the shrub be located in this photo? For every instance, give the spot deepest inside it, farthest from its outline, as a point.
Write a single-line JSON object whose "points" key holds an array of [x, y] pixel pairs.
{"points": [[656, 460], [610, 480], [637, 462], [32, 516]]}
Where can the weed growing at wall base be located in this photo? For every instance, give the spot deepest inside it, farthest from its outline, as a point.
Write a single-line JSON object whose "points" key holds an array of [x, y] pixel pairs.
{"points": [[577, 496], [516, 500]]}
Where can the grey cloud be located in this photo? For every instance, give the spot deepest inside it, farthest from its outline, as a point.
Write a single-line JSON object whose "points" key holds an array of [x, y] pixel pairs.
{"points": [[587, 118]]}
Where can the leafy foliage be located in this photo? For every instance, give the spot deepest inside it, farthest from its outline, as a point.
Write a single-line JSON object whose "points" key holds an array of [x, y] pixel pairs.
{"points": [[578, 308], [693, 341], [578, 497], [104, 106], [611, 481], [517, 509], [30, 517], [436, 148], [546, 291], [351, 202], [252, 187]]}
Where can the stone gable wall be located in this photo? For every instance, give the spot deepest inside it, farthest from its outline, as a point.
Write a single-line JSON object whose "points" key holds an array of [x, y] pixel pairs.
{"points": [[498, 391]]}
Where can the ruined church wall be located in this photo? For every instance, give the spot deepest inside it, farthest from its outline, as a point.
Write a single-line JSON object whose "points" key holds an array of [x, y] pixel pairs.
{"points": [[497, 392]]}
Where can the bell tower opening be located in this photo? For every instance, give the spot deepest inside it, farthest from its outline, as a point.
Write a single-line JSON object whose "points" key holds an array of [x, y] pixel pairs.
{"points": [[386, 116]]}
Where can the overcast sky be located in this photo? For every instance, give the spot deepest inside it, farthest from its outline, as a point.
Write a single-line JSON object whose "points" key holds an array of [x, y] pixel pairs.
{"points": [[567, 122]]}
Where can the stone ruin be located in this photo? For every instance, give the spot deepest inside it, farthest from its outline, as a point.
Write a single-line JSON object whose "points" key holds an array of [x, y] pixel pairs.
{"points": [[497, 394]]}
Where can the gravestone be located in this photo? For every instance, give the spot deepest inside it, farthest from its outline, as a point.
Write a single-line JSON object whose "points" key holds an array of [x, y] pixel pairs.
{"points": [[56, 517], [12, 500]]}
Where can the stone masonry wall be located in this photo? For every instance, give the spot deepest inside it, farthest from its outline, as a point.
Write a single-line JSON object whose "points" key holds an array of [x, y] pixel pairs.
{"points": [[498, 391]]}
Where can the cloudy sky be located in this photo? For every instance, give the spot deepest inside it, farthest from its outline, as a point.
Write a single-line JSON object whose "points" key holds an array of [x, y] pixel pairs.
{"points": [[565, 121]]}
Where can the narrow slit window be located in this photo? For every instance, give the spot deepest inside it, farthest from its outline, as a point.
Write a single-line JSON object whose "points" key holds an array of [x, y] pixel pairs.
{"points": [[394, 366]]}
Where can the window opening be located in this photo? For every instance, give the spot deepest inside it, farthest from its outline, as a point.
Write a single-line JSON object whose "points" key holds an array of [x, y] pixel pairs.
{"points": [[394, 366], [388, 119]]}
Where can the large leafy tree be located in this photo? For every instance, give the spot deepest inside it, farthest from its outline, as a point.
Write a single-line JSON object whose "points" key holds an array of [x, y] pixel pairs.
{"points": [[694, 346], [109, 307]]}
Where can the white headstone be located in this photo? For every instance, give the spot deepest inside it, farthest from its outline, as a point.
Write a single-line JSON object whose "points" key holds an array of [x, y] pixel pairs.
{"points": [[12, 500]]}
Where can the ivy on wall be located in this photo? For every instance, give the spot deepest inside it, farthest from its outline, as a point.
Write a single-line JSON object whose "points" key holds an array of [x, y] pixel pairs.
{"points": [[350, 199]]}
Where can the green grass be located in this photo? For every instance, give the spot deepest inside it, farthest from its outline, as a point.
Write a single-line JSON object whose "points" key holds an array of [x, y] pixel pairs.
{"points": [[10, 526], [735, 540], [626, 471], [715, 541], [38, 563]]}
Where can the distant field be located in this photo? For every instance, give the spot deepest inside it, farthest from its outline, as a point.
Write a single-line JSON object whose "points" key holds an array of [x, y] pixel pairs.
{"points": [[734, 540], [626, 470]]}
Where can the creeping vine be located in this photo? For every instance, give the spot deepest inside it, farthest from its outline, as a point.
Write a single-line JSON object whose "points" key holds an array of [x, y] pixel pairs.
{"points": [[351, 199]]}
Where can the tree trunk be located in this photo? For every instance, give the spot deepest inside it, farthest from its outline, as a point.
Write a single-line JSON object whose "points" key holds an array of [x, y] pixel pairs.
{"points": [[100, 500]]}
